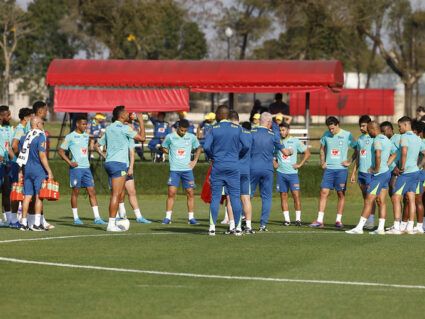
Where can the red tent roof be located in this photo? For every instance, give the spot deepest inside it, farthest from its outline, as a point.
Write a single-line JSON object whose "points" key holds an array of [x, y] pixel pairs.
{"points": [[199, 76]]}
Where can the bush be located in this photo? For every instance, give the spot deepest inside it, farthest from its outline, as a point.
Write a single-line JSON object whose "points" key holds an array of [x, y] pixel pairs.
{"points": [[151, 178]]}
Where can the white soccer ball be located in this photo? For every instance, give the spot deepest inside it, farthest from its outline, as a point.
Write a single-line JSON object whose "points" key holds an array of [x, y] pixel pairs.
{"points": [[123, 223]]}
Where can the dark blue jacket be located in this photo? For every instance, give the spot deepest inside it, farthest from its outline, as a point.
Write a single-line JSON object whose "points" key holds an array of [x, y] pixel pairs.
{"points": [[225, 145]]}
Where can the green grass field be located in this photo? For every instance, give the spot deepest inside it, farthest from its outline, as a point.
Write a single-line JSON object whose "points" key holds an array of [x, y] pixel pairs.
{"points": [[51, 291]]}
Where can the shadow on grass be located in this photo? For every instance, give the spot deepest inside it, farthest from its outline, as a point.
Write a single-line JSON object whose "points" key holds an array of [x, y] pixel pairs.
{"points": [[68, 222]]}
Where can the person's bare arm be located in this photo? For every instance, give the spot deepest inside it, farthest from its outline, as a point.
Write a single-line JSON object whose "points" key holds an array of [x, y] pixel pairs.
{"points": [[141, 135], [98, 150], [45, 163], [306, 155], [356, 165], [132, 159], [322, 156], [15, 146], [403, 158], [287, 118], [62, 155], [393, 157], [192, 164], [377, 162]]}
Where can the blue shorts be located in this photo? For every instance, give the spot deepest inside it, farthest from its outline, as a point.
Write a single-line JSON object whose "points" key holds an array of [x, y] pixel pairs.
{"points": [[127, 178], [186, 177], [245, 184], [406, 183], [421, 182], [364, 178], [80, 177], [284, 182], [378, 182], [335, 179], [116, 169], [32, 183], [13, 172]]}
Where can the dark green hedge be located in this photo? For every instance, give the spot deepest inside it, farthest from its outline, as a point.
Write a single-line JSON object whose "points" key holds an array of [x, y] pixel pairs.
{"points": [[151, 178]]}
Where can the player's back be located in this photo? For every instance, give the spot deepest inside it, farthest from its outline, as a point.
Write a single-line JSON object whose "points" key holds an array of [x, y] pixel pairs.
{"points": [[117, 142], [381, 142], [263, 147], [223, 144], [33, 164], [245, 161], [414, 147]]}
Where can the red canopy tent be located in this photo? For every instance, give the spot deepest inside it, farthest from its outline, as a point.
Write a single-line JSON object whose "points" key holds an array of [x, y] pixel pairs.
{"points": [[162, 85], [147, 85]]}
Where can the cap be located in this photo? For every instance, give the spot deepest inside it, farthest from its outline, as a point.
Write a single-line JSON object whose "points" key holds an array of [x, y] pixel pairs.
{"points": [[256, 116], [100, 116], [182, 113], [210, 116], [279, 117]]}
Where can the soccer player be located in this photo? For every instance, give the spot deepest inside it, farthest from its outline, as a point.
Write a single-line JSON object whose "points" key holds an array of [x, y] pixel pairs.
{"points": [[333, 158], [178, 146], [225, 146], [381, 176], [40, 109], [182, 116], [95, 127], [417, 128], [7, 132], [25, 115], [279, 118], [79, 168], [287, 173], [161, 130], [411, 145], [130, 187], [264, 144], [388, 130], [255, 120], [244, 168], [117, 138], [35, 167], [204, 127], [363, 164]]}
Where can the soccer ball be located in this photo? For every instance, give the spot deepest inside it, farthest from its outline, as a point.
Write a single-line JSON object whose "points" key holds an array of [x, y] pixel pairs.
{"points": [[123, 223]]}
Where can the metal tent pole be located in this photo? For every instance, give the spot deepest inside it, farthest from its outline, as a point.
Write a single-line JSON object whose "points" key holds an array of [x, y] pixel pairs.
{"points": [[307, 113]]}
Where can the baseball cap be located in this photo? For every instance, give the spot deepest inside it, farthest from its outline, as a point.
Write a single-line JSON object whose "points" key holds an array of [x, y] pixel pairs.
{"points": [[210, 116], [256, 116], [100, 116], [279, 117], [182, 113]]}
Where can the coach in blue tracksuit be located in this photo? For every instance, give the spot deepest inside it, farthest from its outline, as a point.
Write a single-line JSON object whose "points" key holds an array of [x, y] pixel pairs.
{"points": [[225, 146], [264, 143]]}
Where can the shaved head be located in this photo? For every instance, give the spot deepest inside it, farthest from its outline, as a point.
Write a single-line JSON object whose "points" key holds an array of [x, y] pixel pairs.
{"points": [[222, 113], [36, 123], [373, 128]]}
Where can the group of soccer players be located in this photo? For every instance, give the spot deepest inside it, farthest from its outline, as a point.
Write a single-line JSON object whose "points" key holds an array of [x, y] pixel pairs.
{"points": [[19, 161], [243, 157]]}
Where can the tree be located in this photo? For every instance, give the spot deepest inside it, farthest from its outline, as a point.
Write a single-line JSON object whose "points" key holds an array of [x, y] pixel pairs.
{"points": [[404, 53], [319, 29], [13, 26], [46, 41], [249, 19], [143, 29]]}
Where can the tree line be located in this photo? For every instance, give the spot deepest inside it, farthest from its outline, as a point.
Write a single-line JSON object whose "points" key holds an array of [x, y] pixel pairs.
{"points": [[368, 36]]}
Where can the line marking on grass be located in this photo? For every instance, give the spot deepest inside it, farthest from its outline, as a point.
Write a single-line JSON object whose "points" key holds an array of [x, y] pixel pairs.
{"points": [[83, 236], [162, 233], [166, 273]]}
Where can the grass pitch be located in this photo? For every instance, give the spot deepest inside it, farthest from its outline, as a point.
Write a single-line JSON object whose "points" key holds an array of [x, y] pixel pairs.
{"points": [[47, 291]]}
